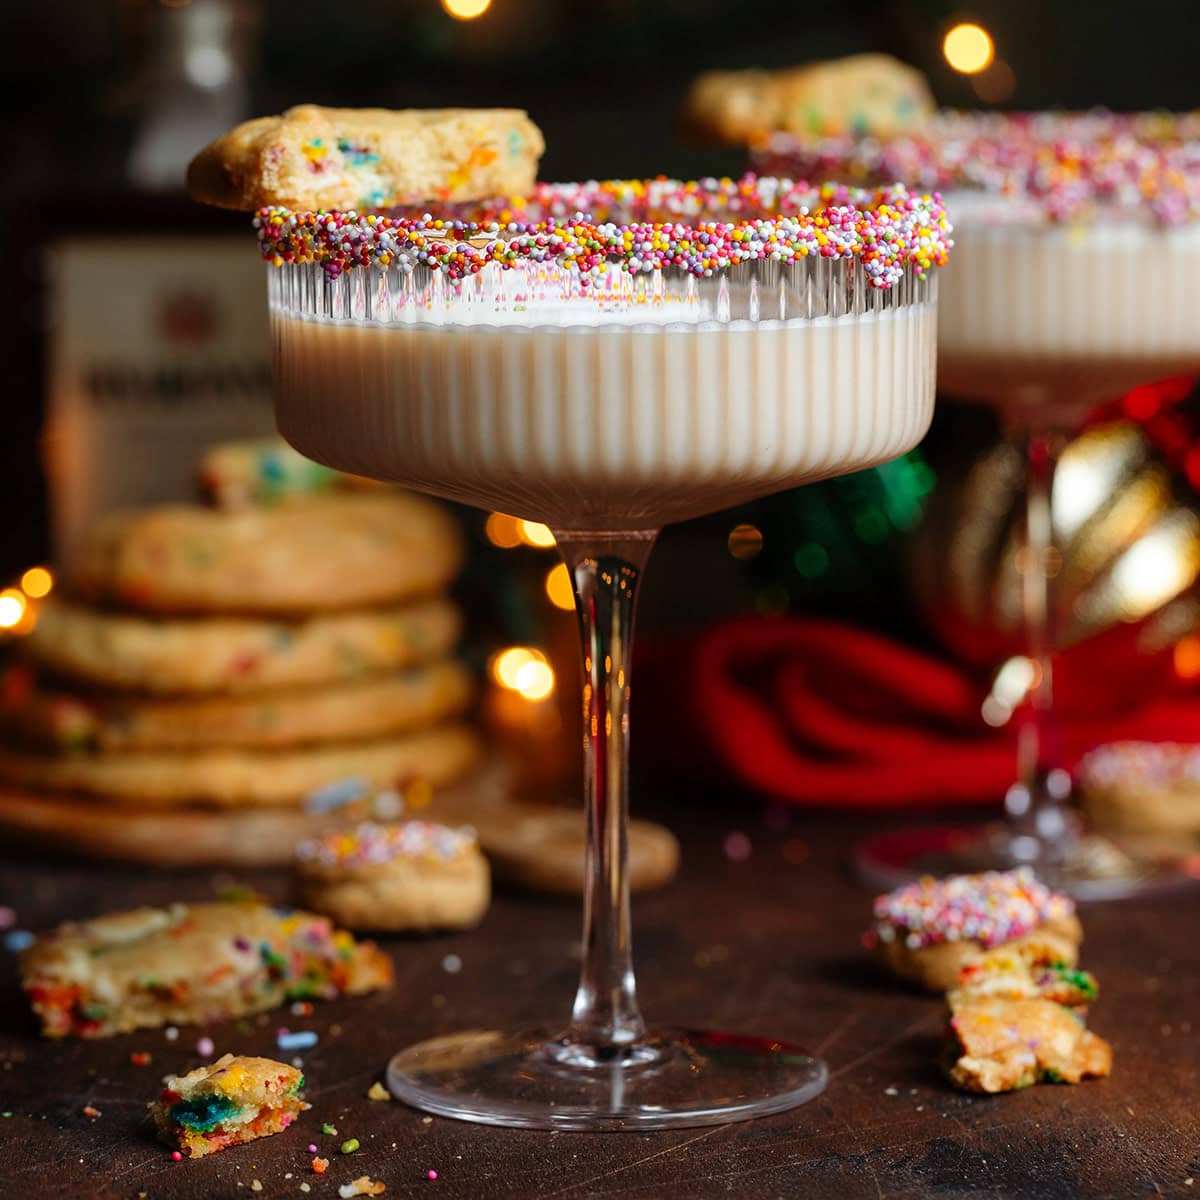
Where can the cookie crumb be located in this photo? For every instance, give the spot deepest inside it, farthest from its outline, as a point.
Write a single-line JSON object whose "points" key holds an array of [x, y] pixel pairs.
{"points": [[320, 1165], [362, 1186], [256, 1185], [378, 1092]]}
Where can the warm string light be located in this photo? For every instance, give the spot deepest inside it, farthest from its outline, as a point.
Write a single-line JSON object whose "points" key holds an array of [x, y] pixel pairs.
{"points": [[968, 48], [525, 670], [466, 10], [12, 608], [18, 612], [558, 587]]}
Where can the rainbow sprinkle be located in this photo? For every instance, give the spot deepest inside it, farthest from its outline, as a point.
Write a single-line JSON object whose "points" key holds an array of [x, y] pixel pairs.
{"points": [[370, 843], [989, 908], [698, 228], [1068, 166]]}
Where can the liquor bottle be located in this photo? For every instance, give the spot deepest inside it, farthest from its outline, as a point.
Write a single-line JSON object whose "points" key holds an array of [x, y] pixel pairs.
{"points": [[156, 339]]}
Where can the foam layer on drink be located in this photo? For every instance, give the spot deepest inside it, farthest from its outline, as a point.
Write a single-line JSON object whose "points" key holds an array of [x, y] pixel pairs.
{"points": [[625, 422], [1085, 311]]}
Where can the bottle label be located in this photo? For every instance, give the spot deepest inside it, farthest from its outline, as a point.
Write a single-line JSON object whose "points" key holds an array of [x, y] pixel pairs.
{"points": [[159, 348]]}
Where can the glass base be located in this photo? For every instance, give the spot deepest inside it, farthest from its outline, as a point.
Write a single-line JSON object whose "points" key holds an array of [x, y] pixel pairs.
{"points": [[1096, 868], [670, 1079]]}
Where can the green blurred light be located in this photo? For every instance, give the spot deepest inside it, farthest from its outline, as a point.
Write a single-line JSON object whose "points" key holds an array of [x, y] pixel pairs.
{"points": [[811, 559], [871, 525]]}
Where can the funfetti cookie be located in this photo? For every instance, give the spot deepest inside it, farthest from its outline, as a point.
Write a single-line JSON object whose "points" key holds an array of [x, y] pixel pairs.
{"points": [[53, 718], [368, 159], [190, 962], [997, 1044], [180, 656], [248, 778], [927, 931], [320, 553], [414, 875], [234, 1100]]}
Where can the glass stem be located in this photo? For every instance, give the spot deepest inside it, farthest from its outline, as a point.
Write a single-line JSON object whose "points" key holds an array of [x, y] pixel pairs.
{"points": [[1037, 804], [605, 571]]}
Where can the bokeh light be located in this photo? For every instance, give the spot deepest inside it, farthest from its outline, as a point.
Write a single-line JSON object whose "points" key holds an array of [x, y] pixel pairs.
{"points": [[535, 534], [37, 582], [12, 608], [466, 10], [558, 587], [968, 48], [745, 541], [503, 531], [535, 680]]}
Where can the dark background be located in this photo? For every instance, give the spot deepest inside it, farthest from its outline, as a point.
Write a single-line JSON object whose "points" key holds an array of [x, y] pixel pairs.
{"points": [[604, 79]]}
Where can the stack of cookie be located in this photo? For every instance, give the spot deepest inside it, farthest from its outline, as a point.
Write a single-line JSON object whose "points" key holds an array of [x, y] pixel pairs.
{"points": [[288, 644]]}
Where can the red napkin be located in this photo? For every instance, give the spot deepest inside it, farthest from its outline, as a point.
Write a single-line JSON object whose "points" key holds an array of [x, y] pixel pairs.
{"points": [[817, 712]]}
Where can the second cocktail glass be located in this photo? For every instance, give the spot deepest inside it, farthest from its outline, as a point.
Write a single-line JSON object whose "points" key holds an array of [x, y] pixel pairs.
{"points": [[1074, 278], [606, 360]]}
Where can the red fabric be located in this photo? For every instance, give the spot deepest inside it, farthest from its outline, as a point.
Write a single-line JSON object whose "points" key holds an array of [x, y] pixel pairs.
{"points": [[820, 713]]}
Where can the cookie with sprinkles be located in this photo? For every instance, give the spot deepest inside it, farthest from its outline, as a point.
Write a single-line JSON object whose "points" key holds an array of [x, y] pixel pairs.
{"points": [[926, 932], [245, 778], [315, 553], [415, 875], [1143, 788], [234, 1100], [186, 963], [372, 158], [864, 94], [64, 721], [189, 656]]}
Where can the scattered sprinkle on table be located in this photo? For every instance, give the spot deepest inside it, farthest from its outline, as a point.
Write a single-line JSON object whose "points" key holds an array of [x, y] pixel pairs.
{"points": [[88, 1111], [8, 917], [350, 1145], [452, 964], [430, 1174], [141, 1058], [330, 1129], [302, 1039], [378, 1092], [205, 1047], [171, 1033], [320, 1165], [18, 940], [176, 1156]]}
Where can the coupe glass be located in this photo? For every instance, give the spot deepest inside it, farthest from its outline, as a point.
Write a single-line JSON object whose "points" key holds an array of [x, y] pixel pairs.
{"points": [[604, 408], [1044, 319]]}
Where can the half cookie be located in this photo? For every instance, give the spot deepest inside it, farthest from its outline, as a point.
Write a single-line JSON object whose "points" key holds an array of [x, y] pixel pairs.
{"points": [[233, 1101], [371, 158]]}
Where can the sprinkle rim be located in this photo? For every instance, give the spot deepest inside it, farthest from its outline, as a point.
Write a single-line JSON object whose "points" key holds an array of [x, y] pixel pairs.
{"points": [[1069, 166], [697, 227]]}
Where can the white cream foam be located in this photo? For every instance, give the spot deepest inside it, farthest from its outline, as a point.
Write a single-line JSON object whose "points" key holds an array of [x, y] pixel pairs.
{"points": [[1086, 311], [612, 426]]}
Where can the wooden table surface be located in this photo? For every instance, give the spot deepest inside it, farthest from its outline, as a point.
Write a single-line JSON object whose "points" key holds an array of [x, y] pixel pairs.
{"points": [[763, 945]]}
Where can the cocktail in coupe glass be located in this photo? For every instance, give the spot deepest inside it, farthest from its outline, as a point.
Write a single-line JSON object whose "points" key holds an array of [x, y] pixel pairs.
{"points": [[680, 349], [1075, 277]]}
